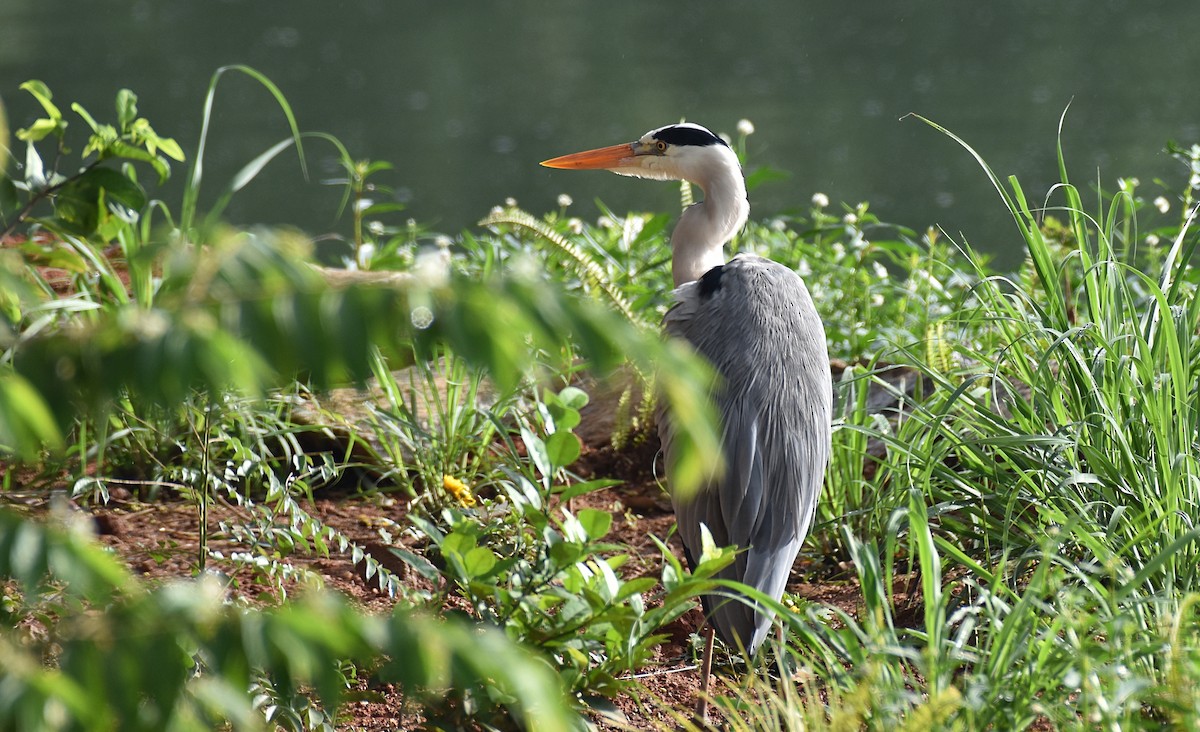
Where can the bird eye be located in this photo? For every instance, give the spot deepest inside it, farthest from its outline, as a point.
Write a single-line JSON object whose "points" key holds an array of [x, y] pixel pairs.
{"points": [[662, 146]]}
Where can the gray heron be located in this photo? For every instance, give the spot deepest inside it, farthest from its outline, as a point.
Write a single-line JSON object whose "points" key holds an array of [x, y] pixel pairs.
{"points": [[754, 321]]}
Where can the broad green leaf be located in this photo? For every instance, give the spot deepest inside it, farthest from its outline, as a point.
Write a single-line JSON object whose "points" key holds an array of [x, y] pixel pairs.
{"points": [[479, 561], [169, 147], [573, 397], [595, 522], [126, 108], [563, 448], [9, 198], [27, 425], [458, 543], [566, 553], [122, 149], [77, 204], [564, 407], [636, 586]]}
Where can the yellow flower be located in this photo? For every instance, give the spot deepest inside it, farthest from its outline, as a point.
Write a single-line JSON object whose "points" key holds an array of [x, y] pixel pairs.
{"points": [[459, 490]]}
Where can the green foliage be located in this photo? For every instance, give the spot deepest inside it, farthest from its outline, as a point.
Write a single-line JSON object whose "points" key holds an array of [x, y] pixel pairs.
{"points": [[1041, 495], [159, 373], [181, 657], [441, 418], [552, 583], [96, 199]]}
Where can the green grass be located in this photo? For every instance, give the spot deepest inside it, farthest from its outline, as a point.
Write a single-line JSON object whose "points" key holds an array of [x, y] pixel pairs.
{"points": [[1021, 529]]}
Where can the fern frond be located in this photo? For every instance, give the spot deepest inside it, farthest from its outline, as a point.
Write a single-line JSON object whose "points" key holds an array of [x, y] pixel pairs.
{"points": [[686, 197], [585, 266]]}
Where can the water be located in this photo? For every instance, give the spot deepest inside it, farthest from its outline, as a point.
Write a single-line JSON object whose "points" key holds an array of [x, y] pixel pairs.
{"points": [[466, 99]]}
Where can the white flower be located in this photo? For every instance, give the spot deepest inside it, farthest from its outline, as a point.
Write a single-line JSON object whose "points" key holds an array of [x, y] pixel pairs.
{"points": [[1162, 204], [365, 253], [564, 200], [880, 271], [375, 227], [839, 250], [1152, 240], [820, 200], [850, 219], [432, 268], [510, 202], [443, 242], [745, 127], [778, 225], [575, 225]]}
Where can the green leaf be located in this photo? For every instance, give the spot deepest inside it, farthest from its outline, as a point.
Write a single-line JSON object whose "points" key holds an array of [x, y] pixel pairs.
{"points": [[126, 108], [634, 587], [765, 175], [458, 543], [255, 166], [42, 127], [77, 204], [537, 452], [122, 149], [37, 131], [79, 110], [42, 94], [419, 563], [587, 486], [167, 146], [563, 448], [566, 553], [376, 209], [26, 424], [9, 198], [573, 397], [564, 419], [35, 171], [595, 522], [478, 562]]}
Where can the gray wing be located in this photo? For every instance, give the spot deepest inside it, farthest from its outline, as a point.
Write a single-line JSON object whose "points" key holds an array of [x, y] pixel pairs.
{"points": [[755, 322]]}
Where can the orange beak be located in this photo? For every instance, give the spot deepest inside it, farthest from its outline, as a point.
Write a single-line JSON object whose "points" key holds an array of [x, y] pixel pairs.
{"points": [[603, 158]]}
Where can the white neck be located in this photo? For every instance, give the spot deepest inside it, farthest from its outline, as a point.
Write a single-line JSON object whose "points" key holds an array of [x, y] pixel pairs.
{"points": [[703, 229]]}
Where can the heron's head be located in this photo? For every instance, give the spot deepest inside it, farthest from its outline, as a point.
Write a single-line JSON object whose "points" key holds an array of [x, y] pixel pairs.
{"points": [[682, 151]]}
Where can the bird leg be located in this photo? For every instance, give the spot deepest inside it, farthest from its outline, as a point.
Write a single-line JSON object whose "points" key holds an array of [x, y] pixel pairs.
{"points": [[710, 635]]}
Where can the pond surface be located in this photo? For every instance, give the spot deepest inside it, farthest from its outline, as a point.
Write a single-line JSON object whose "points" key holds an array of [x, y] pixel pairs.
{"points": [[466, 98]]}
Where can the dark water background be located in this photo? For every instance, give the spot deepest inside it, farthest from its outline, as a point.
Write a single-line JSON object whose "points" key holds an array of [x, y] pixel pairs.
{"points": [[466, 98]]}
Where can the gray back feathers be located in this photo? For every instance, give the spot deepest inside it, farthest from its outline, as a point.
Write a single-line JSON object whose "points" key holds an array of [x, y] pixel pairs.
{"points": [[755, 323]]}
